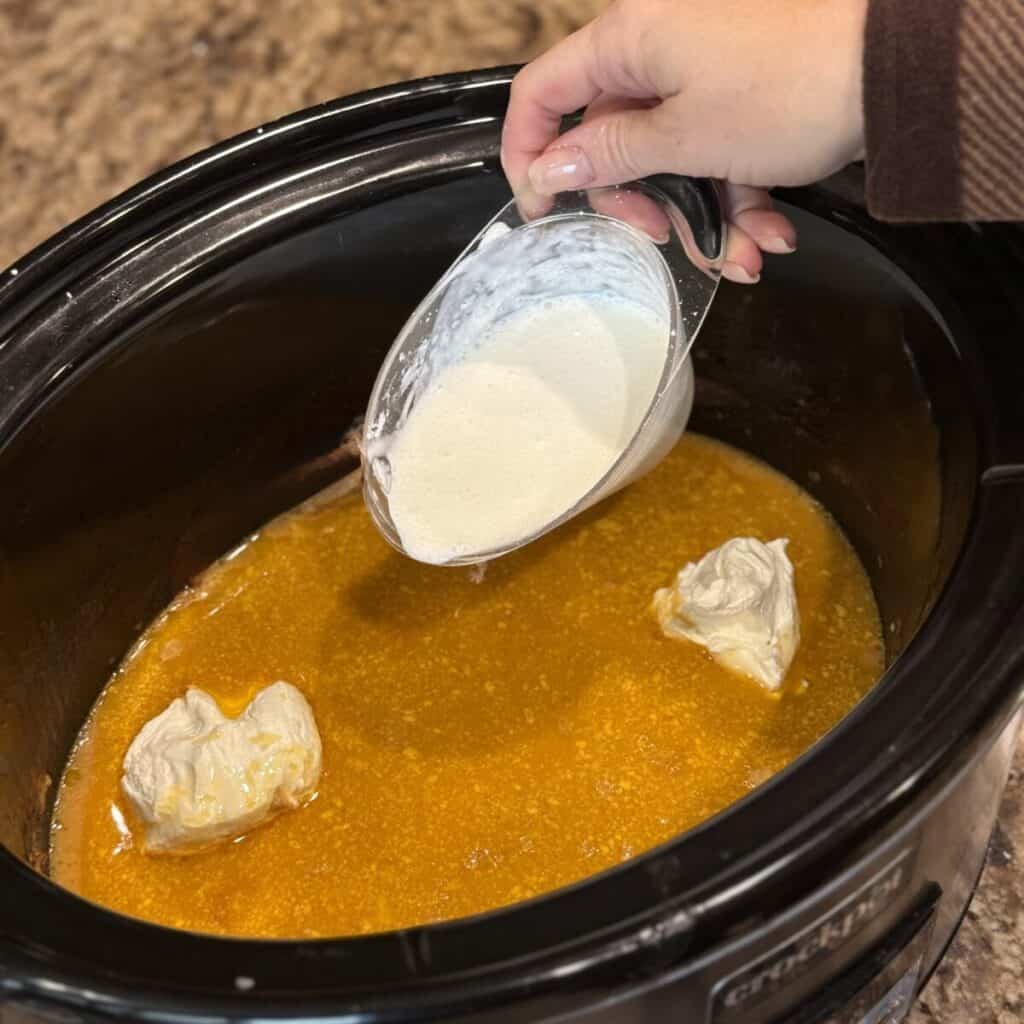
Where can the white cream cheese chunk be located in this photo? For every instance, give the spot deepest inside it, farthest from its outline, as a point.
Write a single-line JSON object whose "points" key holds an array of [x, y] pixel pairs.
{"points": [[739, 602], [195, 776]]}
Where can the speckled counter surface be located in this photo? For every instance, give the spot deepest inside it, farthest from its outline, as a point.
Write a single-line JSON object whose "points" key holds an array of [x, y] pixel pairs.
{"points": [[99, 93]]}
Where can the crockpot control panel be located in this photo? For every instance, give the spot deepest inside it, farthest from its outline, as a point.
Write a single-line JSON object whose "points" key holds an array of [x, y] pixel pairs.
{"points": [[880, 988], [855, 944]]}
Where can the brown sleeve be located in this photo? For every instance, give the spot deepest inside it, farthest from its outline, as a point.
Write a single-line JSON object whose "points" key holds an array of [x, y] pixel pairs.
{"points": [[944, 109]]}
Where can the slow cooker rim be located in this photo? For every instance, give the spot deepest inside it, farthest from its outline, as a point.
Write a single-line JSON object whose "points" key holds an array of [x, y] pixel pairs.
{"points": [[133, 206]]}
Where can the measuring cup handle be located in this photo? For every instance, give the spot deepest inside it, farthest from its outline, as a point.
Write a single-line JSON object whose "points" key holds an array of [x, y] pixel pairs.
{"points": [[699, 203]]}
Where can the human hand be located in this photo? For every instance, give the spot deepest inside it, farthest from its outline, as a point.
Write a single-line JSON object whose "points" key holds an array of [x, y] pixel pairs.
{"points": [[756, 93]]}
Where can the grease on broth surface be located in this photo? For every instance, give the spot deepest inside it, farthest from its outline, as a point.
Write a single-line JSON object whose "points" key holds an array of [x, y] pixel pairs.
{"points": [[484, 740]]}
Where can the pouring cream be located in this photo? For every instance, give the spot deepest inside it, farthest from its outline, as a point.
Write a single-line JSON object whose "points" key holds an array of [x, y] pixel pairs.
{"points": [[512, 435], [546, 370]]}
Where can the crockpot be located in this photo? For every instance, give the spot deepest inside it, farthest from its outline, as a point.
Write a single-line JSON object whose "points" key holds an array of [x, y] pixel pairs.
{"points": [[183, 363]]}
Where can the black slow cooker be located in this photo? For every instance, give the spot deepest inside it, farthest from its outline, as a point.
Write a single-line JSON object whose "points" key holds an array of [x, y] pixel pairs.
{"points": [[182, 364]]}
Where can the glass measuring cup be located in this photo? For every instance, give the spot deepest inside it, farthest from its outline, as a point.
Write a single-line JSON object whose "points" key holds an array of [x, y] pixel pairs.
{"points": [[658, 243]]}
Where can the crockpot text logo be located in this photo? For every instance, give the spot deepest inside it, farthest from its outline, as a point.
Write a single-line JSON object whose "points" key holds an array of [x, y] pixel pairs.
{"points": [[800, 954]]}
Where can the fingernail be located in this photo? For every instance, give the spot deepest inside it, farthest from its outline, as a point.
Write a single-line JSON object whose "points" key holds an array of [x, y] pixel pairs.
{"points": [[561, 169], [531, 205], [776, 244], [739, 274]]}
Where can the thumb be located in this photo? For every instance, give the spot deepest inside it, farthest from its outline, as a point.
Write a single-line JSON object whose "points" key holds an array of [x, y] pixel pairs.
{"points": [[607, 150]]}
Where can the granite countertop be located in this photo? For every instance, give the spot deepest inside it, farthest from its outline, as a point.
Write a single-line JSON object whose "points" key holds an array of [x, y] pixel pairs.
{"points": [[97, 94]]}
